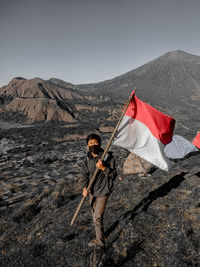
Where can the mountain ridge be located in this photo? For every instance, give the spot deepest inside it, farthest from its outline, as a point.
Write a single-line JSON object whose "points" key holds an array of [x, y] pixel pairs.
{"points": [[157, 74], [39, 100], [170, 82]]}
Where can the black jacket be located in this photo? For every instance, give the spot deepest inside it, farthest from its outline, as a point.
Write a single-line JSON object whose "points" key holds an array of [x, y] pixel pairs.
{"points": [[103, 183]]}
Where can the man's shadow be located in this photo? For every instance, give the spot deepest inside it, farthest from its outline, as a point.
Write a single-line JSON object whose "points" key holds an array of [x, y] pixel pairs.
{"points": [[161, 191], [144, 204]]}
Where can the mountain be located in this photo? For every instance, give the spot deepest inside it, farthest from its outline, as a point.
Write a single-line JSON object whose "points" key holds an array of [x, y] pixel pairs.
{"points": [[175, 73], [37, 88], [168, 80], [60, 82], [149, 221], [38, 100], [170, 83]]}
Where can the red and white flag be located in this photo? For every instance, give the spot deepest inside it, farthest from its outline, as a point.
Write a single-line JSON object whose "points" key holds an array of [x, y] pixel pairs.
{"points": [[196, 140], [145, 131]]}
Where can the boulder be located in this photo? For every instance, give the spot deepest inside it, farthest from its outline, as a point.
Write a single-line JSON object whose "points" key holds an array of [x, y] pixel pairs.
{"points": [[134, 164]]}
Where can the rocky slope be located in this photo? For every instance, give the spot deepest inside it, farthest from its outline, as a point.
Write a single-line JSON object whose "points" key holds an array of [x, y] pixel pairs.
{"points": [[38, 100], [152, 221]]}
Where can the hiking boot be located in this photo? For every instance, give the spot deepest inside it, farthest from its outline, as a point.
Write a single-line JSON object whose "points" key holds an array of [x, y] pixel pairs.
{"points": [[92, 243]]}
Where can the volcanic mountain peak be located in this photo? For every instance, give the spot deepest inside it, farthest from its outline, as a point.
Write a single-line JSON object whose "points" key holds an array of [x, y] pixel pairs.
{"points": [[180, 56], [169, 61], [174, 73]]}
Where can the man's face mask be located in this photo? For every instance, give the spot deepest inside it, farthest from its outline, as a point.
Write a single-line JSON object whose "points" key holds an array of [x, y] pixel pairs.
{"points": [[94, 149]]}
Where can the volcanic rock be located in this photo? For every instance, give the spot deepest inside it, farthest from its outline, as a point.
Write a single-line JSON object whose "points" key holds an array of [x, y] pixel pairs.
{"points": [[148, 222], [135, 164]]}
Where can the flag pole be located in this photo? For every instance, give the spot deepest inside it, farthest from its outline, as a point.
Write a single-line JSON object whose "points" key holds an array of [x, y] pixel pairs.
{"points": [[102, 157]]}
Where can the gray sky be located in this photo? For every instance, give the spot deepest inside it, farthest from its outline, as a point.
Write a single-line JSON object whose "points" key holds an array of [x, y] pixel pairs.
{"points": [[82, 41]]}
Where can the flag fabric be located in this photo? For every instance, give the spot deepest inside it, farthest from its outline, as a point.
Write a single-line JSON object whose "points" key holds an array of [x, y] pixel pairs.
{"points": [[196, 141], [179, 148], [145, 131]]}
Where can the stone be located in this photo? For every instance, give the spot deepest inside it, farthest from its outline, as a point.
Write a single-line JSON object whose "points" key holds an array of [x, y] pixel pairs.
{"points": [[134, 165]]}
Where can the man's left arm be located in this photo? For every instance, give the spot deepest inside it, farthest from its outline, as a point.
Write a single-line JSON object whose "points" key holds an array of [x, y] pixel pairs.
{"points": [[108, 167], [101, 165]]}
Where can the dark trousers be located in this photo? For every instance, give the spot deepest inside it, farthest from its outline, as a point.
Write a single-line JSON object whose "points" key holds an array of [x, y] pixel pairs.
{"points": [[98, 205]]}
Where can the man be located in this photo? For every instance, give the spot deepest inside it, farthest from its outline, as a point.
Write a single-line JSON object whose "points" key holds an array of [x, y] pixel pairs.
{"points": [[102, 186]]}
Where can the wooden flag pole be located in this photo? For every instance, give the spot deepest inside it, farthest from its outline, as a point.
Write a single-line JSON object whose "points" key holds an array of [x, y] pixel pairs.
{"points": [[102, 158]]}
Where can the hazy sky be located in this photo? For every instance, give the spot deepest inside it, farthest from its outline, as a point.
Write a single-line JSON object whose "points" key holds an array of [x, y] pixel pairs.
{"points": [[82, 41]]}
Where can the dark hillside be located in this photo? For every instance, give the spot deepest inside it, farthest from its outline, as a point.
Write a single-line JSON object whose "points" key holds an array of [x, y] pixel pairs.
{"points": [[148, 222]]}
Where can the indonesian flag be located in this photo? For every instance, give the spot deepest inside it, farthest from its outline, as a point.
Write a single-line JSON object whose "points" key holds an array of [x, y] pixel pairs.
{"points": [[196, 140], [145, 131]]}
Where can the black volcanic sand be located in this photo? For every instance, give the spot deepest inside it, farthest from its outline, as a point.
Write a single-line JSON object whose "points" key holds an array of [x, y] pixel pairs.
{"points": [[148, 222]]}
